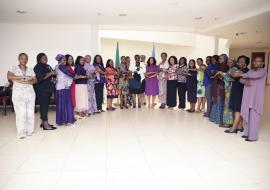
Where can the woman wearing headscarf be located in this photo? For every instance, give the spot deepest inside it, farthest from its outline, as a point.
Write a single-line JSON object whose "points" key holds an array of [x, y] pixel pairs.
{"points": [[218, 92], [23, 96], [64, 79], [44, 88]]}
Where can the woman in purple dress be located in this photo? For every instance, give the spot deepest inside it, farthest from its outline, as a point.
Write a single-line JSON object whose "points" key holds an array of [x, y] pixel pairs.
{"points": [[192, 85], [253, 98], [64, 78], [151, 81]]}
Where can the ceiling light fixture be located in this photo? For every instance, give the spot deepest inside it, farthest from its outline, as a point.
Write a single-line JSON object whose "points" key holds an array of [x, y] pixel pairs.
{"points": [[198, 18], [21, 11], [122, 14], [99, 14]]}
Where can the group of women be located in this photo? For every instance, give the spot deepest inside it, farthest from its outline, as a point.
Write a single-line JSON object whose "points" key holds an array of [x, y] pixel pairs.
{"points": [[234, 94]]}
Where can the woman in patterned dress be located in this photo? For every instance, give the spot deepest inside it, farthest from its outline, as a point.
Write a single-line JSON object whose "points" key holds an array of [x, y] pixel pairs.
{"points": [[218, 92], [112, 84], [171, 82], [200, 86], [162, 80], [124, 74], [91, 75], [227, 114]]}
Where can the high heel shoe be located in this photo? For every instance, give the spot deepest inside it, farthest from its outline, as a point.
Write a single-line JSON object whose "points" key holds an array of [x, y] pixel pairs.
{"points": [[51, 128], [230, 132], [41, 125], [241, 130], [245, 137]]}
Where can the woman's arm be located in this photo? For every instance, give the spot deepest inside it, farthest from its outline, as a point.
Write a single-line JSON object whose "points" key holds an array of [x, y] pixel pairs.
{"points": [[254, 74], [64, 69], [13, 77]]}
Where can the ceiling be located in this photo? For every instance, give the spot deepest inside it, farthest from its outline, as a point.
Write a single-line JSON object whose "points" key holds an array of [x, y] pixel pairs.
{"points": [[219, 17]]}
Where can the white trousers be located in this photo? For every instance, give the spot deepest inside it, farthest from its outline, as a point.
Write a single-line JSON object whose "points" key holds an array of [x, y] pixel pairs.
{"points": [[24, 107]]}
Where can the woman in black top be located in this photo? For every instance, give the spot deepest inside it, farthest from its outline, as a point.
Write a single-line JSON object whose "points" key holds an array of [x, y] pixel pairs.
{"points": [[237, 91], [44, 88]]}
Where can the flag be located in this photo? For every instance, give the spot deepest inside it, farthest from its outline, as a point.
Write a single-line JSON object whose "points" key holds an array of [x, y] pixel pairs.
{"points": [[117, 57], [153, 52]]}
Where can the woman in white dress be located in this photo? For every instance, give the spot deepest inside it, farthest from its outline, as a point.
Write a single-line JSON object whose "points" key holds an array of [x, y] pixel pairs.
{"points": [[162, 80], [23, 96]]}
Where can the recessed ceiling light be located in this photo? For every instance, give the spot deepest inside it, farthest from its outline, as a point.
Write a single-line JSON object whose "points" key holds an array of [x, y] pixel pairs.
{"points": [[21, 11], [99, 14], [122, 14], [216, 18], [198, 18]]}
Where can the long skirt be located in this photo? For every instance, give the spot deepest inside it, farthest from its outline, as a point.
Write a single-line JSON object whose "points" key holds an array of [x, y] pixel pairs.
{"points": [[171, 93], [64, 108], [81, 94], [216, 114], [162, 87], [72, 88], [227, 114], [92, 105]]}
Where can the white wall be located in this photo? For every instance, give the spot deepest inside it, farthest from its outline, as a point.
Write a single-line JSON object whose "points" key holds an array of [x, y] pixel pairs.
{"points": [[130, 48], [234, 53], [48, 38]]}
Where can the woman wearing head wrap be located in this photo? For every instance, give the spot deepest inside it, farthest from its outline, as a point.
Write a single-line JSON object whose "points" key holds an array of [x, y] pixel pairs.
{"points": [[218, 92], [64, 79]]}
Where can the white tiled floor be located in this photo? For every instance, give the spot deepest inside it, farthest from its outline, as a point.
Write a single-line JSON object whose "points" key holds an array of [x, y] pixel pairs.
{"points": [[147, 149]]}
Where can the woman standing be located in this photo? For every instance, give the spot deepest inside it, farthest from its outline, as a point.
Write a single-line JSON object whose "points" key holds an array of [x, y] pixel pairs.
{"points": [[200, 86], [237, 93], [208, 80], [192, 85], [99, 87], [112, 84], [151, 81], [253, 99], [162, 80], [81, 92], [171, 82], [64, 79], [23, 96], [70, 65], [182, 82], [227, 114], [124, 74], [44, 88], [92, 79], [218, 92], [135, 84]]}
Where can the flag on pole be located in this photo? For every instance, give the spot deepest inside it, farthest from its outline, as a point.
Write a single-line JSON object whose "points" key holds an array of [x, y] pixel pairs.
{"points": [[153, 51], [117, 57]]}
